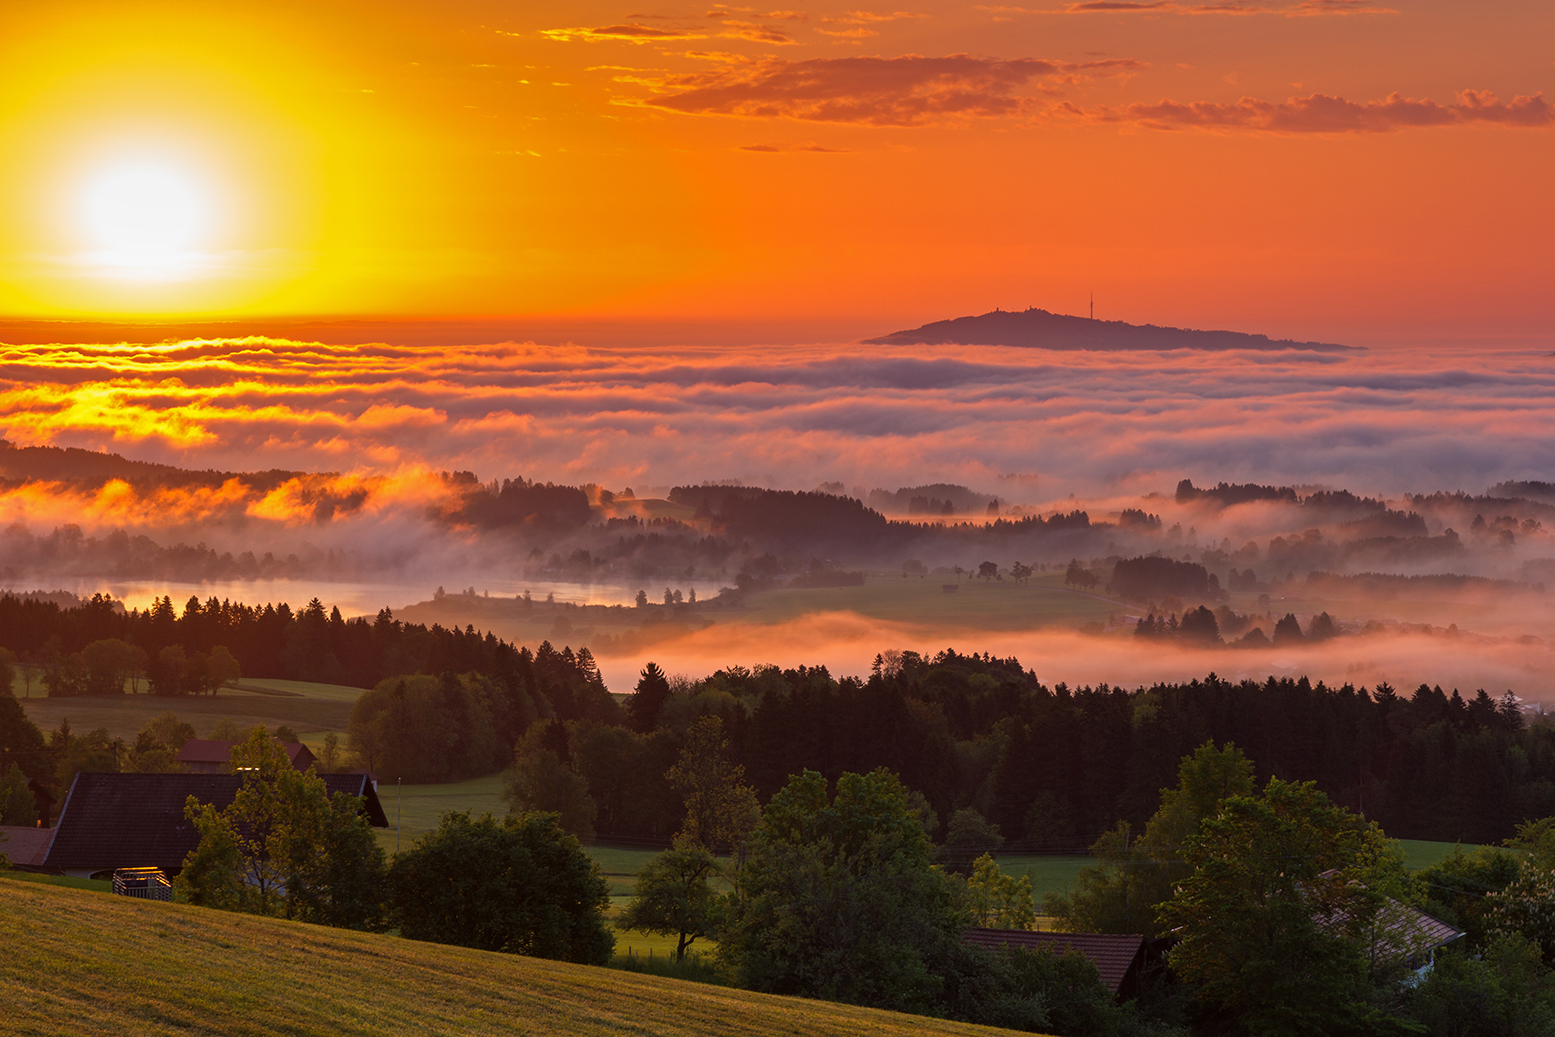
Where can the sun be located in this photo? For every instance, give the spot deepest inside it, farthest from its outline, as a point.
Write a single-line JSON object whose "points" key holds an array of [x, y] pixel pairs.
{"points": [[145, 215]]}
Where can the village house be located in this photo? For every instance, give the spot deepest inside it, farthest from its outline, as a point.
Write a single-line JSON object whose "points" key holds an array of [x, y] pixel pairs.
{"points": [[1119, 959], [209, 756], [113, 821]]}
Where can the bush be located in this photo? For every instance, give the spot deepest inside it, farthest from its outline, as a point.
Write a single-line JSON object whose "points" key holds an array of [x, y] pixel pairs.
{"points": [[520, 885], [1507, 994]]}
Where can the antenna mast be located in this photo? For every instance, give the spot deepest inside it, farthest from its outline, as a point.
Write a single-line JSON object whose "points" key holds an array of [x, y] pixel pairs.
{"points": [[1093, 306]]}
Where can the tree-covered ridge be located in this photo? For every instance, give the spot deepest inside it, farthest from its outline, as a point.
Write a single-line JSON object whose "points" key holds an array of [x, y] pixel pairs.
{"points": [[462, 722], [1054, 767]]}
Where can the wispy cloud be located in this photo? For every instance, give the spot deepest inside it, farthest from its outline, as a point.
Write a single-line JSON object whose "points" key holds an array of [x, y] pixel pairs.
{"points": [[1299, 9], [635, 32], [777, 148], [905, 91], [1324, 113]]}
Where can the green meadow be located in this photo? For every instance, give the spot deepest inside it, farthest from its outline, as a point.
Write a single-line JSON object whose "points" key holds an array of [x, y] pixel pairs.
{"points": [[974, 604], [312, 710]]}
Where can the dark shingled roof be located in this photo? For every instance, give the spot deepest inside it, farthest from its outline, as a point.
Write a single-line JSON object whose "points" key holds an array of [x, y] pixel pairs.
{"points": [[25, 845], [207, 750], [1115, 957], [137, 820]]}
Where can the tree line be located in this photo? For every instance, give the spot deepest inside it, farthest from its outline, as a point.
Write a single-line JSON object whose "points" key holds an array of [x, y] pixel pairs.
{"points": [[309, 644], [1049, 768], [1052, 767]]}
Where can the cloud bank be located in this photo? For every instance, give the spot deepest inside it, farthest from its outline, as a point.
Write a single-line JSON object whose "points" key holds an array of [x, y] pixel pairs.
{"points": [[906, 91], [793, 416], [1322, 113]]}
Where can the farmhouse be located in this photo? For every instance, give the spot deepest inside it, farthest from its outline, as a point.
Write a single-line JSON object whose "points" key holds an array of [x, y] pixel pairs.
{"points": [[25, 845], [115, 821], [1398, 933], [207, 756], [1119, 959]]}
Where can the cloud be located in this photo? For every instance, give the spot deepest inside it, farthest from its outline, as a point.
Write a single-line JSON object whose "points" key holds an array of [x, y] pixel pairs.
{"points": [[634, 32], [866, 17], [778, 148], [630, 32], [1376, 422], [736, 30], [1323, 113], [1300, 9], [904, 91]]}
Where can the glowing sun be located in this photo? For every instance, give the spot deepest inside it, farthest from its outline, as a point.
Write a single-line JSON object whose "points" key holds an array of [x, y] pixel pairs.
{"points": [[145, 216]]}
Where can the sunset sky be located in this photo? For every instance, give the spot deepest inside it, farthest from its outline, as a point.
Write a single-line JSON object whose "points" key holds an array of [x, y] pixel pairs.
{"points": [[1348, 170]]}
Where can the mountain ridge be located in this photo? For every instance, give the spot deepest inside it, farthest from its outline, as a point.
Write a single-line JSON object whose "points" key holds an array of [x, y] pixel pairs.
{"points": [[1041, 329]]}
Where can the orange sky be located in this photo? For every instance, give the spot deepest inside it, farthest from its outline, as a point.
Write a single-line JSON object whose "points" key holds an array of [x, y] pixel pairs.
{"points": [[1307, 167]]}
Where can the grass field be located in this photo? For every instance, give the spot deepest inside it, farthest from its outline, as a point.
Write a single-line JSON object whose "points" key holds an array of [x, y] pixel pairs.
{"points": [[1421, 854], [416, 808], [980, 604], [80, 963], [1049, 873], [301, 689], [312, 710], [125, 716]]}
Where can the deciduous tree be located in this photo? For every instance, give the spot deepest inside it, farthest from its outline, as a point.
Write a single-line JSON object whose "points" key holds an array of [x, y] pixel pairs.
{"points": [[837, 898], [674, 896], [519, 885], [1274, 919], [997, 900], [721, 809], [284, 846], [539, 780]]}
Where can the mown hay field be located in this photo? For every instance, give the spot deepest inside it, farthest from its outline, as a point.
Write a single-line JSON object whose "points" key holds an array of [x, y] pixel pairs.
{"points": [[311, 709], [82, 963]]}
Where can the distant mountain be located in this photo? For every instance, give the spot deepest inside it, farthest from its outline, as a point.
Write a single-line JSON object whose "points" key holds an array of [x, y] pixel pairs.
{"points": [[1040, 329]]}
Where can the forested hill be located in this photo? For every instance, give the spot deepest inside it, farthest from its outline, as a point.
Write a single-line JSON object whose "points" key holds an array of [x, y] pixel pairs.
{"points": [[1040, 329], [92, 468], [1052, 767]]}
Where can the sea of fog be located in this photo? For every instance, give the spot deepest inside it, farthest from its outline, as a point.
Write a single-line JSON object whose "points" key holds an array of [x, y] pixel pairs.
{"points": [[1041, 429], [1030, 424]]}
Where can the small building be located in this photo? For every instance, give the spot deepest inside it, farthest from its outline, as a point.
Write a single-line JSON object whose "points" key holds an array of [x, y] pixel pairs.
{"points": [[1398, 933], [113, 821], [25, 845], [209, 756], [1119, 959]]}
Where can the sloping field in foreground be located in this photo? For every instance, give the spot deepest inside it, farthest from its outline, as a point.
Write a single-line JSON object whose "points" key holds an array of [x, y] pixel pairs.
{"points": [[76, 962]]}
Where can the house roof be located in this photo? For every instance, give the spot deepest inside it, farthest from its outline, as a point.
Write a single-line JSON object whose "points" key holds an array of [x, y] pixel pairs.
{"points": [[209, 750], [1401, 930], [137, 820], [1423, 931], [24, 844], [1113, 956]]}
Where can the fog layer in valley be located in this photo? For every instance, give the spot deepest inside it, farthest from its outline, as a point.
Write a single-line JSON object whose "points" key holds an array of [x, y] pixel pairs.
{"points": [[1396, 491]]}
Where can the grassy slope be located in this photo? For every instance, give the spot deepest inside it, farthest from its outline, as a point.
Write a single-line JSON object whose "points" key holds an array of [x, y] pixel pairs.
{"points": [[321, 708], [976, 604], [1419, 853], [418, 807], [85, 963]]}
